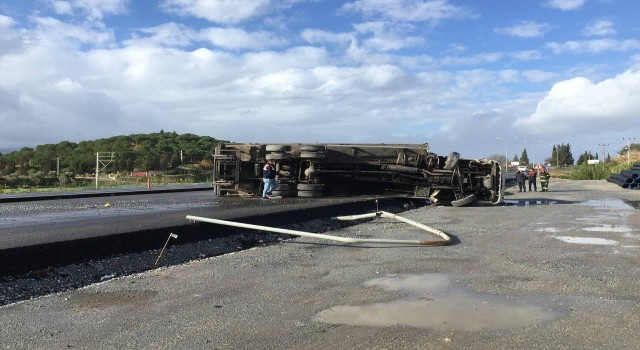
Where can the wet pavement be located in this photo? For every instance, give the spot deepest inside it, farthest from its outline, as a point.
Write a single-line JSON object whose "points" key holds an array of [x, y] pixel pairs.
{"points": [[556, 270]]}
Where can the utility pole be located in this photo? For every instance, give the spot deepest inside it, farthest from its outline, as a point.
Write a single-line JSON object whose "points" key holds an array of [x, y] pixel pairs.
{"points": [[506, 149], [628, 148], [104, 159], [604, 145]]}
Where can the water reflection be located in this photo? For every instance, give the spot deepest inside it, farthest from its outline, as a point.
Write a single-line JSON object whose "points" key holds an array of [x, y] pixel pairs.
{"points": [[433, 302]]}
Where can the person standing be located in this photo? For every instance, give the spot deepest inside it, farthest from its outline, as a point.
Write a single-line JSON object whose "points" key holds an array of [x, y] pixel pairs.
{"points": [[544, 180], [269, 179], [520, 179], [532, 179]]}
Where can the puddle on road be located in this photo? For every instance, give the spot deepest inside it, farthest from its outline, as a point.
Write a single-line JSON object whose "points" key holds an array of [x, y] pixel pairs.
{"points": [[587, 240], [606, 203], [609, 228], [611, 203], [432, 302], [527, 202]]}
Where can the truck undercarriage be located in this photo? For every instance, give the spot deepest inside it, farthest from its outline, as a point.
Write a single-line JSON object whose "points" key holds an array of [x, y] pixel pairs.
{"points": [[317, 170]]}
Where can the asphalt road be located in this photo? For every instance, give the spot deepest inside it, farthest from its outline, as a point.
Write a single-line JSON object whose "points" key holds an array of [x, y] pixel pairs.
{"points": [[556, 270], [34, 222]]}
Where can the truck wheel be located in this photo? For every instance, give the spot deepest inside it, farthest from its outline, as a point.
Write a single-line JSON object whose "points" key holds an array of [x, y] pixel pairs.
{"points": [[280, 193], [312, 155], [452, 161], [284, 187], [278, 156], [310, 187], [311, 148], [464, 201], [278, 148], [313, 194]]}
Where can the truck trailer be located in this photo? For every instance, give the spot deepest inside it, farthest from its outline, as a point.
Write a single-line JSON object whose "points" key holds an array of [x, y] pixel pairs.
{"points": [[319, 170]]}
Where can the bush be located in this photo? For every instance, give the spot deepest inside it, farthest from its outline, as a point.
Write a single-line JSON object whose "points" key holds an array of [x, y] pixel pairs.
{"points": [[595, 171], [37, 178], [66, 179]]}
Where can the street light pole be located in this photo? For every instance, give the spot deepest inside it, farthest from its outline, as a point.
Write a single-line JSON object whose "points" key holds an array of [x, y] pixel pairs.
{"points": [[506, 152], [604, 150], [628, 149]]}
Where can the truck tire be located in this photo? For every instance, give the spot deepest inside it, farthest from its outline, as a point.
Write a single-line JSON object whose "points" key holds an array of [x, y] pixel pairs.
{"points": [[284, 187], [310, 194], [278, 156], [452, 161], [310, 187], [312, 155], [464, 201], [278, 148], [280, 193], [311, 148]]}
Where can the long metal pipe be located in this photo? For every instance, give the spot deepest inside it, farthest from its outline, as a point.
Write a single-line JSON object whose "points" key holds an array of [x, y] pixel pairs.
{"points": [[446, 239]]}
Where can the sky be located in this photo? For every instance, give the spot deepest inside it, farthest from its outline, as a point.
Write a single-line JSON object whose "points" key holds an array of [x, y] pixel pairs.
{"points": [[479, 77]]}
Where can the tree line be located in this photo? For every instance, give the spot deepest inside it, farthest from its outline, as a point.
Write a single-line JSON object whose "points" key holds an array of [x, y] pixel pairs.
{"points": [[137, 152], [561, 155]]}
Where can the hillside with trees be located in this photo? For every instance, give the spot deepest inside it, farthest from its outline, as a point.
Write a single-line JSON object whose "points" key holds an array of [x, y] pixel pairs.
{"points": [[163, 151]]}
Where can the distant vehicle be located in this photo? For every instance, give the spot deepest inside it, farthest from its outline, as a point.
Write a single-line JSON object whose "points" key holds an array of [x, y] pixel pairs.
{"points": [[319, 170], [522, 168]]}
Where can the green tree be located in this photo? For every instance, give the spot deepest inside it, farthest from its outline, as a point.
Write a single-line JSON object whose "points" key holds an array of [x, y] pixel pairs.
{"points": [[524, 159], [561, 155], [155, 151], [23, 160]]}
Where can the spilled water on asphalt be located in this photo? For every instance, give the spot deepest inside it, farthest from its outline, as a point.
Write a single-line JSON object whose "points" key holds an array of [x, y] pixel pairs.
{"points": [[610, 203], [432, 301], [604, 203]]}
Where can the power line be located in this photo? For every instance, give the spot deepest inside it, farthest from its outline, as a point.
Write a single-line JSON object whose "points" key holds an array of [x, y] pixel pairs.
{"points": [[604, 145], [628, 148]]}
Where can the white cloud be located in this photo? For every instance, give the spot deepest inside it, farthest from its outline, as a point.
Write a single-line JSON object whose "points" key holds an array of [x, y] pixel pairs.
{"points": [[566, 5], [409, 10], [393, 76], [167, 35], [220, 11], [539, 76], [527, 55], [635, 62], [55, 32], [95, 10], [594, 46], [580, 106], [236, 38], [599, 27], [62, 7], [386, 37], [485, 57], [525, 29], [317, 36], [296, 57], [11, 40]]}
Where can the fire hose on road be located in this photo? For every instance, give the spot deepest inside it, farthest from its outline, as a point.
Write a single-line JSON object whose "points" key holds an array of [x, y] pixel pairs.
{"points": [[446, 240]]}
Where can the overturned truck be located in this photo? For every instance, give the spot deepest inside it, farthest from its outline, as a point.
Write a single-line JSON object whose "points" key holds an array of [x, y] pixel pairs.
{"points": [[318, 170]]}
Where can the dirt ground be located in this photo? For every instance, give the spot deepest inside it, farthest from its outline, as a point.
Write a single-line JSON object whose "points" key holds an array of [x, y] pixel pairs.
{"points": [[553, 270]]}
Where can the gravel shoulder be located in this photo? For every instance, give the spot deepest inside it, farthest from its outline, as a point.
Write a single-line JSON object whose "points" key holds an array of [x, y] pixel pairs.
{"points": [[553, 270]]}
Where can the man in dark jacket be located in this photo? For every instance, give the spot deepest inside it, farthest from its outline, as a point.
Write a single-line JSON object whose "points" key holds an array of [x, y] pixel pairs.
{"points": [[520, 179], [269, 179], [532, 179]]}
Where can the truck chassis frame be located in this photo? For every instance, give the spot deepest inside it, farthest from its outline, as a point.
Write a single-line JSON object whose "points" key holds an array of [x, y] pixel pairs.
{"points": [[317, 170]]}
